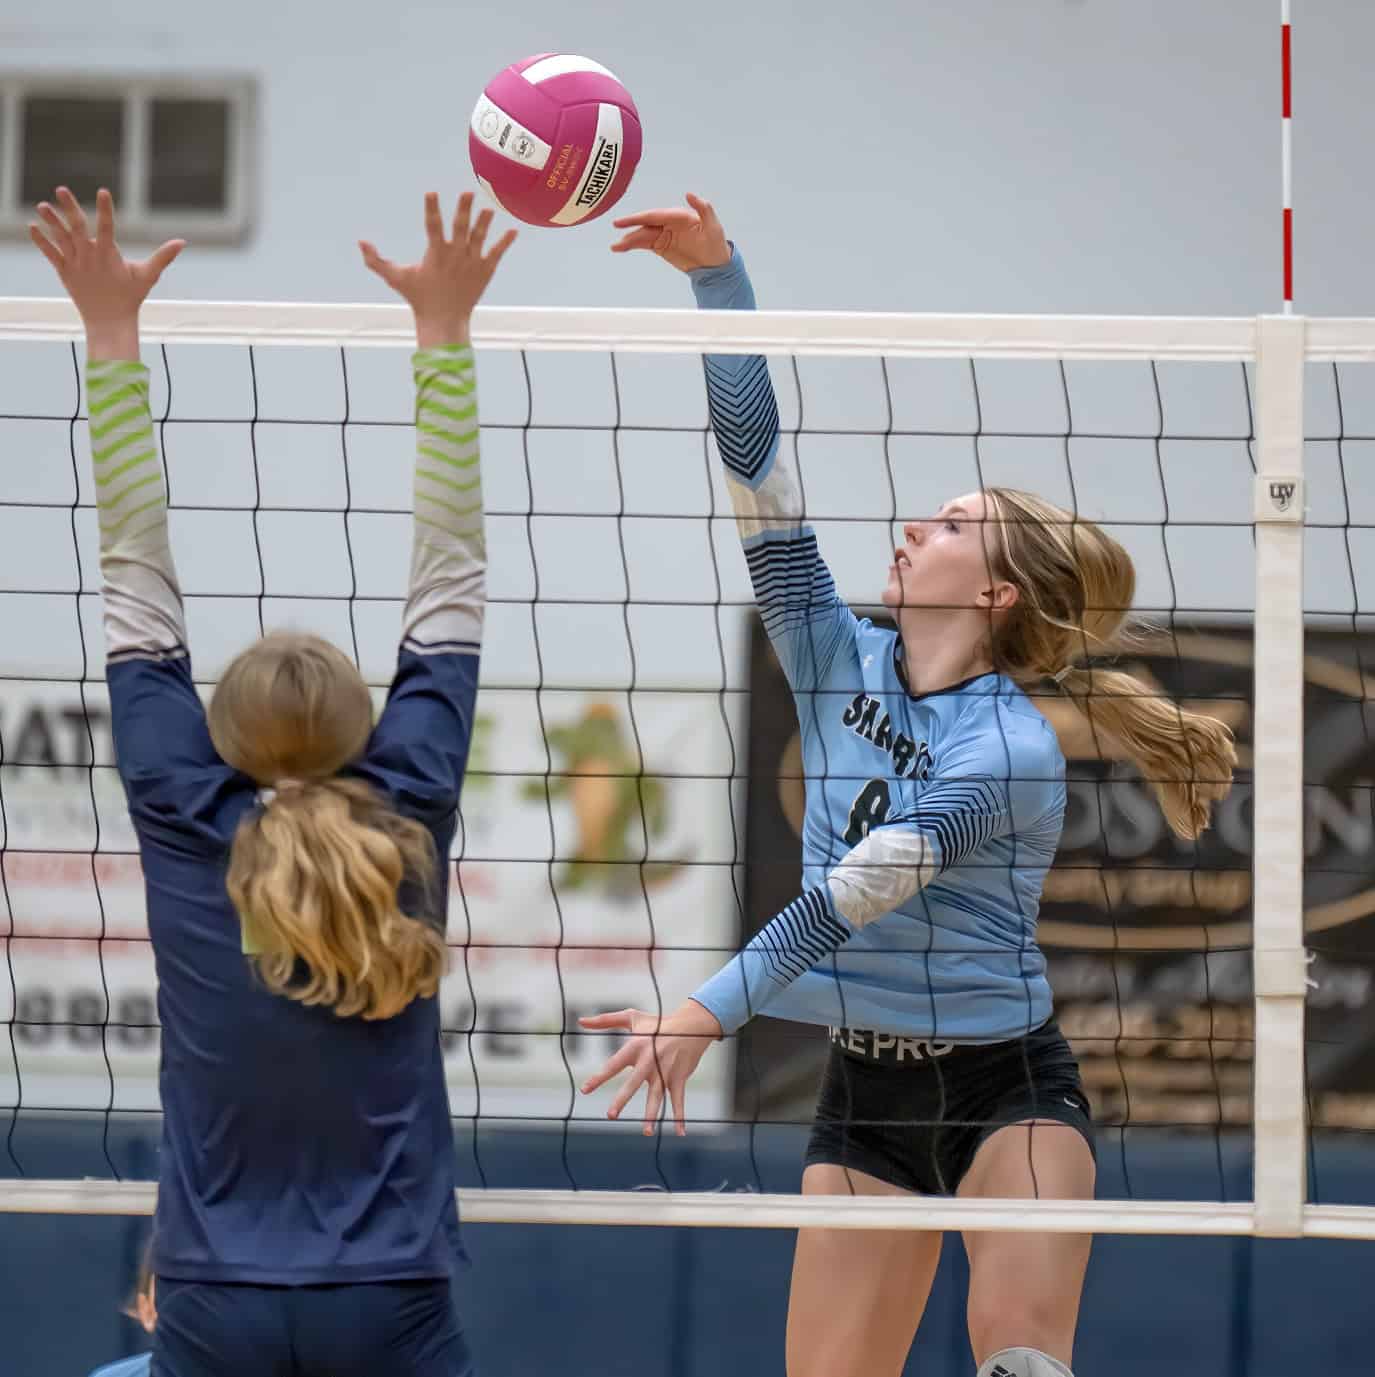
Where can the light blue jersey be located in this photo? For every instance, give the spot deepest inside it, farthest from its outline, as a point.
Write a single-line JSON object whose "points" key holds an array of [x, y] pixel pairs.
{"points": [[139, 1366], [931, 819]]}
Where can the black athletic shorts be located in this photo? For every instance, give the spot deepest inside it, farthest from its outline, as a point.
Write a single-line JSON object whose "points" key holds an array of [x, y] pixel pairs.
{"points": [[367, 1329], [913, 1112]]}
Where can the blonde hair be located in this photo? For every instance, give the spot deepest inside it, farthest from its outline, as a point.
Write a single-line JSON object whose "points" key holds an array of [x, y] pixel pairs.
{"points": [[317, 874], [1075, 585]]}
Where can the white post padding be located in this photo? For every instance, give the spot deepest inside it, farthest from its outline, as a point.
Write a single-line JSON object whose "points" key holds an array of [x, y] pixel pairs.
{"points": [[1277, 859]]}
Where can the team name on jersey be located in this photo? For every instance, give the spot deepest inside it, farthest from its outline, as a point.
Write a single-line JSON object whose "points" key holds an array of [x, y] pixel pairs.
{"points": [[909, 757]]}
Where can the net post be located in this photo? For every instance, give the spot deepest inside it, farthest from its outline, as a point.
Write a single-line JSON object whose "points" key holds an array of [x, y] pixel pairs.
{"points": [[1279, 956]]}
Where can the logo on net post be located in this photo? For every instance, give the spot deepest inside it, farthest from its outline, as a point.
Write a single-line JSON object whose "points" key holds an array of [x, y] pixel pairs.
{"points": [[601, 173], [1282, 494]]}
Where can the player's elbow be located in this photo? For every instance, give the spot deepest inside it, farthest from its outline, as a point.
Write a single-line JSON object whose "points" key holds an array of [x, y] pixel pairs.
{"points": [[881, 874]]}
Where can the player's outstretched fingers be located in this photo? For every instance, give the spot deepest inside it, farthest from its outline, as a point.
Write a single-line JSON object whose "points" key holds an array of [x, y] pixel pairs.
{"points": [[105, 220], [46, 247], [633, 1082], [677, 1090], [654, 1102], [58, 230], [434, 223], [383, 267], [673, 216], [462, 217], [617, 1018], [478, 237], [644, 238], [498, 250], [706, 213], [71, 209], [159, 260], [613, 1066]]}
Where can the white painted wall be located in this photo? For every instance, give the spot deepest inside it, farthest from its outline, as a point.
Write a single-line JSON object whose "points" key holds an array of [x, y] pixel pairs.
{"points": [[1023, 155]]}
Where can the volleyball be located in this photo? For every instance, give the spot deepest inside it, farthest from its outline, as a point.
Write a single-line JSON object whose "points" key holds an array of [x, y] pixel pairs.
{"points": [[555, 139]]}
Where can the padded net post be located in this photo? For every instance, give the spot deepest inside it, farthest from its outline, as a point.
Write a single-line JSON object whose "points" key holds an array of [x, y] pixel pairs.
{"points": [[1278, 925]]}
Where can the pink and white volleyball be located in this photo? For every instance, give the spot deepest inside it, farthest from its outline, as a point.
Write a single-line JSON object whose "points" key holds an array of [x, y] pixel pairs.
{"points": [[555, 139]]}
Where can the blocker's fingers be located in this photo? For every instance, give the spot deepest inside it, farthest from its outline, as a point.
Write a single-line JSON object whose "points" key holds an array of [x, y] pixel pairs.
{"points": [[58, 231], [462, 216], [46, 247], [434, 224], [383, 267], [104, 218], [71, 208], [498, 250], [162, 257], [478, 236]]}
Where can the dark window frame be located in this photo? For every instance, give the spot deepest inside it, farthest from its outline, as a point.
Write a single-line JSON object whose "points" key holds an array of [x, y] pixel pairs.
{"points": [[138, 222]]}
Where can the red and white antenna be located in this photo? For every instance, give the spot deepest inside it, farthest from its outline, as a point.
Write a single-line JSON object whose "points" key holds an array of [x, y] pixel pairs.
{"points": [[1287, 157]]}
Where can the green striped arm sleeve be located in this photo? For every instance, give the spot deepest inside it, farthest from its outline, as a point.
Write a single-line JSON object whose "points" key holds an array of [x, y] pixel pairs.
{"points": [[142, 602], [449, 559]]}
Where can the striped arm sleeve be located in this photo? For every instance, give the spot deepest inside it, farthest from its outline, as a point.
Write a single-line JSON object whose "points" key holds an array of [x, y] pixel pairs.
{"points": [[744, 419], [957, 817], [444, 606], [791, 943], [802, 612], [142, 602], [797, 601]]}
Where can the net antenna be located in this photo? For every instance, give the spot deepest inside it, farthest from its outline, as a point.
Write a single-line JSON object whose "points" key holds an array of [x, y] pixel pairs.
{"points": [[1287, 152]]}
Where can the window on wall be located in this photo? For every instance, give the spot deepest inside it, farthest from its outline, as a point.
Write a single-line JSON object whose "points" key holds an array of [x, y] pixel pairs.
{"points": [[176, 155]]}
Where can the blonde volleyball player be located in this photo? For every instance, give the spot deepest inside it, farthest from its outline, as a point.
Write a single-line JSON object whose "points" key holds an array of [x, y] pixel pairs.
{"points": [[295, 857], [935, 799]]}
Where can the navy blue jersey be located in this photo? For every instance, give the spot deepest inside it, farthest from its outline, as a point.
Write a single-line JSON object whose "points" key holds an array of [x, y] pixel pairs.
{"points": [[931, 819], [298, 1147]]}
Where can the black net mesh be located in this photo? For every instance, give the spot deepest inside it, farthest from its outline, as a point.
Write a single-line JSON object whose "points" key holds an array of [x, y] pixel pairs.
{"points": [[633, 803]]}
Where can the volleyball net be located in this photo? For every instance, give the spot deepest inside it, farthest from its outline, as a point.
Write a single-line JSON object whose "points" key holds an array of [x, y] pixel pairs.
{"points": [[632, 809]]}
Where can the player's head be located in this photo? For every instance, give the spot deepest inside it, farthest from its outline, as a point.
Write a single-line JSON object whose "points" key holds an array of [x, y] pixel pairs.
{"points": [[1049, 590], [950, 565], [142, 1304], [317, 873]]}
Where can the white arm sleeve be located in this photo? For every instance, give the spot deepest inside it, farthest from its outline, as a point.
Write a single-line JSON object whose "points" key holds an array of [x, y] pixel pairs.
{"points": [[884, 870]]}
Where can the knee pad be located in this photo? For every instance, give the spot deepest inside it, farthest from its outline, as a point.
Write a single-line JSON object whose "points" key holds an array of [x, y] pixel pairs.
{"points": [[1023, 1362]]}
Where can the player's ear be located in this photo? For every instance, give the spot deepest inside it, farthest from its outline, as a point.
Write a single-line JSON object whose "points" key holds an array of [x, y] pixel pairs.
{"points": [[999, 596]]}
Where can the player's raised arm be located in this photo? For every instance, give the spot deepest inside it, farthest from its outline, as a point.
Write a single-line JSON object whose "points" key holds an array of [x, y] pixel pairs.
{"points": [[804, 616], [421, 742], [142, 602]]}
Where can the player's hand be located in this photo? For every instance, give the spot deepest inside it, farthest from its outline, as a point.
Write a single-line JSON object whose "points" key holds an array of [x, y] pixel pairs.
{"points": [[449, 280], [661, 1053], [686, 238], [105, 287]]}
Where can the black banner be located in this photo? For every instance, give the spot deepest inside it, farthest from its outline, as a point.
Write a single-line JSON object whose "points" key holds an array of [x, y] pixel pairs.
{"points": [[1148, 937]]}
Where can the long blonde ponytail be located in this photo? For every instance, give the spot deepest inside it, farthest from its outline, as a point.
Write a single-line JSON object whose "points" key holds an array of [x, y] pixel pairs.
{"points": [[1075, 586], [318, 874]]}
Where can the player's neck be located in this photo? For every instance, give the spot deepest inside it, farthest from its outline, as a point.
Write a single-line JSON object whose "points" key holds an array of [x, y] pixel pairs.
{"points": [[939, 651]]}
